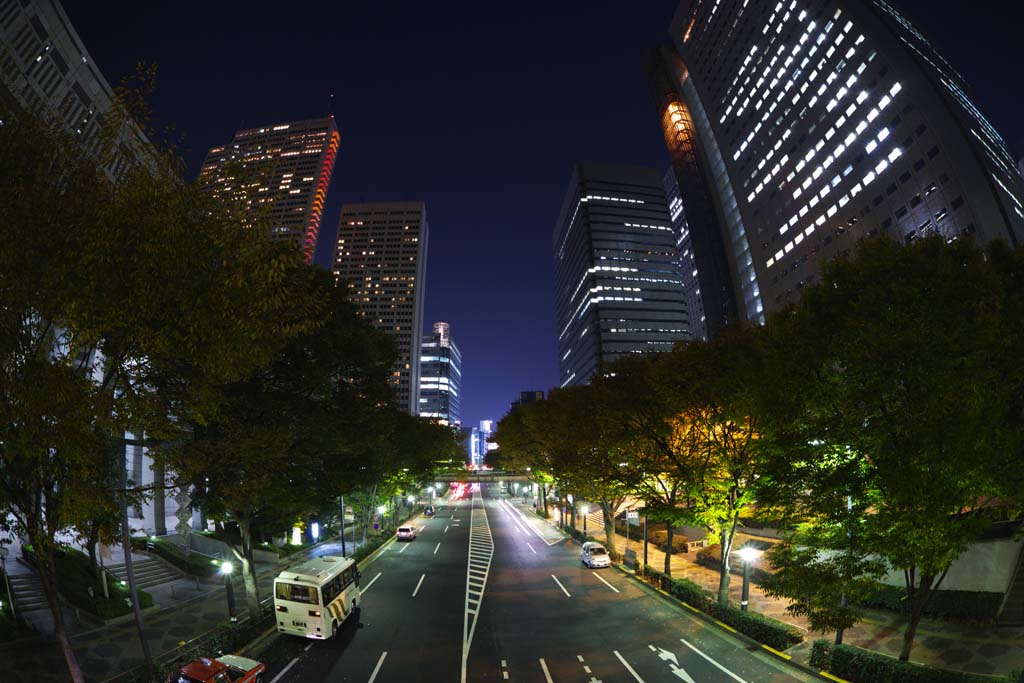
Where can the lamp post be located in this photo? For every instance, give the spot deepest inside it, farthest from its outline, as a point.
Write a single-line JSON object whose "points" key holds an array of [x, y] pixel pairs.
{"points": [[380, 513], [225, 569], [584, 509], [748, 555]]}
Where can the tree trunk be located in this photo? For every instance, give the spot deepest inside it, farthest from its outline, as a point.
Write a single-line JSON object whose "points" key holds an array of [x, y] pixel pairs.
{"points": [[668, 550], [126, 544], [244, 555], [544, 499], [609, 524], [159, 498], [91, 542], [918, 600], [724, 577], [48, 578]]}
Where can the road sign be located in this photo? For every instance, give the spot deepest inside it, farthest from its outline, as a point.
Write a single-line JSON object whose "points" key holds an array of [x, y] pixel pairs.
{"points": [[633, 517]]}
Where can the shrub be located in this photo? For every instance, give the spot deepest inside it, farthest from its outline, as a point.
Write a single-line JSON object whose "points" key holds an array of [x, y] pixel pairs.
{"points": [[863, 666], [578, 535], [821, 654], [943, 604], [195, 564], [75, 575], [367, 548]]}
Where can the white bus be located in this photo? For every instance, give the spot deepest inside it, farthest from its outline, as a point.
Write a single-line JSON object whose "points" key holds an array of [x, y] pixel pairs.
{"points": [[313, 599]]}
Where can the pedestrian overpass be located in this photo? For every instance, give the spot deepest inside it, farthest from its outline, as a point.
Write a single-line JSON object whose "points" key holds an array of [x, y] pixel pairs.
{"points": [[480, 477]]}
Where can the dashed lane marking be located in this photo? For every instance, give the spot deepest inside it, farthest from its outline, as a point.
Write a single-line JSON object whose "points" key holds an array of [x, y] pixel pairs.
{"points": [[628, 667], [420, 583], [363, 590], [285, 670], [376, 669], [605, 582], [436, 548], [561, 586], [543, 667]]}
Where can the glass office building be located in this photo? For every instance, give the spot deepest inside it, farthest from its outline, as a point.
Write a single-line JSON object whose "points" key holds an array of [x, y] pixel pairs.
{"points": [[441, 377]]}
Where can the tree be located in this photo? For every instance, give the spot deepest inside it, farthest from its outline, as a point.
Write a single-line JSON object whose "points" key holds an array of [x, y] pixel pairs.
{"points": [[908, 378]]}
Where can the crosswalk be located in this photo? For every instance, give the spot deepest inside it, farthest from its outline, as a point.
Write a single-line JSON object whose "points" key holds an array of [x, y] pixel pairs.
{"points": [[481, 551]]}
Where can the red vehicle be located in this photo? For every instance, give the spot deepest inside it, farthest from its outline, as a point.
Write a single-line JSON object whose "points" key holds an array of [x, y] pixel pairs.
{"points": [[223, 669]]}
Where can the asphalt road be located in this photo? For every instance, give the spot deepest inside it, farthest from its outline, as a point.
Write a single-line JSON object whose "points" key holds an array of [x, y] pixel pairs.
{"points": [[486, 593]]}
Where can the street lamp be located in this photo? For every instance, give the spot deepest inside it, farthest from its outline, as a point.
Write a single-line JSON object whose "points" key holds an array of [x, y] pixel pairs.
{"points": [[584, 509], [748, 555], [225, 569], [412, 499]]}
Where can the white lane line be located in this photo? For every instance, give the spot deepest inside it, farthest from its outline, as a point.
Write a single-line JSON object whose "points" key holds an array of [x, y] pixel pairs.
{"points": [[531, 548], [418, 585], [435, 549], [306, 649], [363, 590], [605, 582], [561, 586], [285, 670], [446, 530], [628, 667], [580, 657], [530, 526], [376, 669], [544, 668], [734, 676], [403, 548], [586, 669]]}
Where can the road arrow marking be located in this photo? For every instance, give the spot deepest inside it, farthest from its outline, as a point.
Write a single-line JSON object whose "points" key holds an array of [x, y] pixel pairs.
{"points": [[667, 656]]}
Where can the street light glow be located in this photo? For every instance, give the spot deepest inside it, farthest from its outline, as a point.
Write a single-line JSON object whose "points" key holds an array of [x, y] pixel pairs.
{"points": [[227, 568], [381, 509], [748, 554]]}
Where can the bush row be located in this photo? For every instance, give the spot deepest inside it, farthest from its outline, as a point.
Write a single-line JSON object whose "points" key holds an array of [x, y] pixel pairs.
{"points": [[943, 604], [368, 548], [763, 629], [863, 666], [76, 575], [194, 564]]}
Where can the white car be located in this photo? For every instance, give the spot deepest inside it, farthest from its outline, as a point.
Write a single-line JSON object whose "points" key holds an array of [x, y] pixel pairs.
{"points": [[595, 555], [406, 533]]}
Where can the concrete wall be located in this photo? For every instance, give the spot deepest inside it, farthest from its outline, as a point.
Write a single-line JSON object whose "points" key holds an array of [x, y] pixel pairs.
{"points": [[984, 566]]}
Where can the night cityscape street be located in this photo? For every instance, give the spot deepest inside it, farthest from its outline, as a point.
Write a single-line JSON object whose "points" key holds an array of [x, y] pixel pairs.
{"points": [[548, 343]]}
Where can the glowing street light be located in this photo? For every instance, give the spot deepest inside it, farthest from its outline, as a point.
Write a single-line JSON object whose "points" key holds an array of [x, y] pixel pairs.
{"points": [[225, 569], [748, 555], [584, 509]]}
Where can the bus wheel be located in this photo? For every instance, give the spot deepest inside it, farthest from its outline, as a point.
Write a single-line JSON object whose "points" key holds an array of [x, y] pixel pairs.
{"points": [[334, 629]]}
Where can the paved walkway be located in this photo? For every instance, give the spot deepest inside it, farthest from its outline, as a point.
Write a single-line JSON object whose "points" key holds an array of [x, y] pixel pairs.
{"points": [[945, 644], [187, 609]]}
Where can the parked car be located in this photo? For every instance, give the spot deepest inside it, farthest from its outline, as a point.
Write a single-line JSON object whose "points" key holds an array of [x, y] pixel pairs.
{"points": [[406, 533], [595, 555], [223, 669]]}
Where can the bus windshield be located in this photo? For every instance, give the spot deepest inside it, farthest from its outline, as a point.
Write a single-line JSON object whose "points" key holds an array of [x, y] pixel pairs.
{"points": [[296, 593]]}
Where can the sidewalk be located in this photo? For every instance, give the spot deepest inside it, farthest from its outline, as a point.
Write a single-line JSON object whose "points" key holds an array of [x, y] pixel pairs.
{"points": [[187, 612], [944, 644]]}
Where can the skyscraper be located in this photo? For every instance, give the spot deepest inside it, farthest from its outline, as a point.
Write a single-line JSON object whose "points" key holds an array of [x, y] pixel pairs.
{"points": [[798, 127], [441, 377], [382, 259], [46, 70], [618, 284], [687, 259], [531, 396], [279, 175]]}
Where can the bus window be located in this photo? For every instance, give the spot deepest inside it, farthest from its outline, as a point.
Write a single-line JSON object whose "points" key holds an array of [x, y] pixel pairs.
{"points": [[296, 593]]}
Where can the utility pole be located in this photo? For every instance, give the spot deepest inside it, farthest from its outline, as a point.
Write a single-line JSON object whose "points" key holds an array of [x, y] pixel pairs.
{"points": [[343, 553]]}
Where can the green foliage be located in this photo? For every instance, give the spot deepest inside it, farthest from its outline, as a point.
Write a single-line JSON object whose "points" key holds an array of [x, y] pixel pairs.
{"points": [[76, 575], [763, 629], [368, 548], [578, 534], [943, 604], [195, 564], [863, 666]]}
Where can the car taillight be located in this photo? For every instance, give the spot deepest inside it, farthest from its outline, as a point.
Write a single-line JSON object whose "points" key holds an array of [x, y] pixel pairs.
{"points": [[282, 608], [314, 612]]}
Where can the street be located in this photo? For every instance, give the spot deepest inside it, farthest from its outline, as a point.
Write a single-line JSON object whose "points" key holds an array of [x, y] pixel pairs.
{"points": [[488, 593]]}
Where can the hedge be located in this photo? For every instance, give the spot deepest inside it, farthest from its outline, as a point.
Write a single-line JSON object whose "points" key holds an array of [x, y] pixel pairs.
{"points": [[75, 575], [195, 564], [863, 666], [368, 548], [763, 629], [943, 604]]}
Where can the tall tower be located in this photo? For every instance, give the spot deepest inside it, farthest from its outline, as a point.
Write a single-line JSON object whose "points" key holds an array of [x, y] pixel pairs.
{"points": [[279, 176], [382, 259], [618, 284], [441, 377], [798, 127]]}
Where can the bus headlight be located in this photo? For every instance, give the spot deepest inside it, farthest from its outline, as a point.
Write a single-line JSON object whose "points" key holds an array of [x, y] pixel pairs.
{"points": [[282, 608], [314, 612]]}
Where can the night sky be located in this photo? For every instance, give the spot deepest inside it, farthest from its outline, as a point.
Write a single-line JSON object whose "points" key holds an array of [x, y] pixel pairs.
{"points": [[479, 109]]}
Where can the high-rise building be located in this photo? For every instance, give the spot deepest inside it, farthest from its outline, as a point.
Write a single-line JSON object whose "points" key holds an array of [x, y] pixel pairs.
{"points": [[479, 442], [441, 377], [798, 127], [618, 285], [279, 176], [46, 70], [531, 396], [687, 260], [382, 259]]}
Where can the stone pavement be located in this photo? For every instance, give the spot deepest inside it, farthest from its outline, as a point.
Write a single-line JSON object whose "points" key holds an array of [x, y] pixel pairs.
{"points": [[187, 610], [945, 644]]}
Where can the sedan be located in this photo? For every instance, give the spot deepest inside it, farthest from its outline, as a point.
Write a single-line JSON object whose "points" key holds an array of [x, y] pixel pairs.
{"points": [[231, 668], [595, 555]]}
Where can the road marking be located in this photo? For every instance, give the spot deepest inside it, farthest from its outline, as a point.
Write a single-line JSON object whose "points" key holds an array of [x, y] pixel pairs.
{"points": [[306, 649], [285, 670], [673, 663], [580, 657], [530, 526], [628, 667], [403, 548], [531, 548], [376, 669], [436, 547], [481, 552], [544, 668], [418, 585], [363, 590], [562, 587], [586, 669], [734, 676], [446, 530], [605, 582]]}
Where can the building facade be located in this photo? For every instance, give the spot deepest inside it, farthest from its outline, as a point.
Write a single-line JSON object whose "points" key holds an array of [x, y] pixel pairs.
{"points": [[441, 377], [381, 258], [618, 284], [479, 442], [46, 70], [798, 127], [531, 396], [278, 176], [687, 259]]}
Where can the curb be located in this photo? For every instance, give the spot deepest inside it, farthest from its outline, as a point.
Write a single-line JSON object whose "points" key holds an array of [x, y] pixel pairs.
{"points": [[776, 654]]}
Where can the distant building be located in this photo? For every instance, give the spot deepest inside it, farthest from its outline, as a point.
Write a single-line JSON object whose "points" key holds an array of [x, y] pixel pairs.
{"points": [[618, 285], [46, 70], [797, 129], [479, 442], [441, 377], [279, 175], [528, 397], [382, 259]]}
